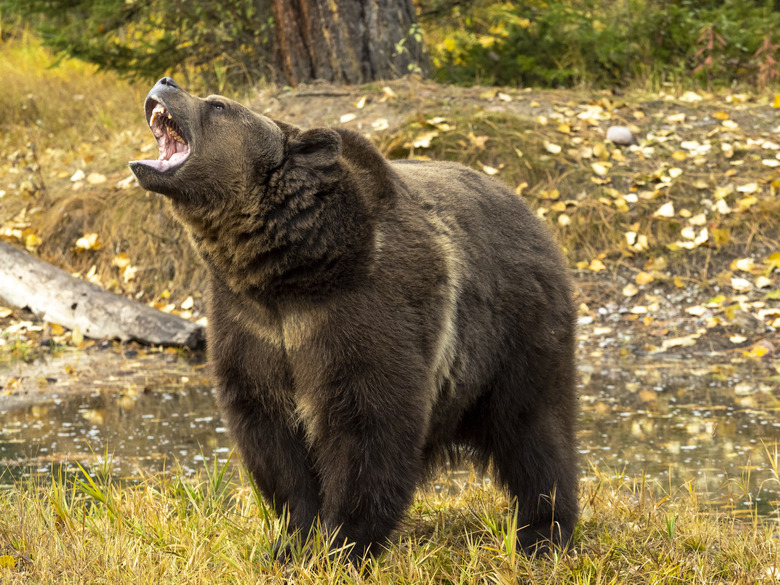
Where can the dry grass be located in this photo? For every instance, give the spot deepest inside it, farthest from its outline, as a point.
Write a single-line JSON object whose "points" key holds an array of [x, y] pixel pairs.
{"points": [[171, 529], [59, 117]]}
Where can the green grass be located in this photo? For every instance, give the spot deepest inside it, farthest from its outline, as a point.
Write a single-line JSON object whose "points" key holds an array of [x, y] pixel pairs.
{"points": [[216, 529]]}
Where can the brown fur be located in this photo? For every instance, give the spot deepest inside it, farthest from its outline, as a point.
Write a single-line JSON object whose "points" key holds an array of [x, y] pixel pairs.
{"points": [[367, 317]]}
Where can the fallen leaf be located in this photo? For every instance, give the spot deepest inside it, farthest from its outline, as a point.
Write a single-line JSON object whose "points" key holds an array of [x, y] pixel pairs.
{"points": [[96, 178], [748, 188], [696, 310], [88, 242], [552, 148], [121, 261], [747, 202], [424, 139], [488, 170], [644, 278], [741, 284], [596, 265], [666, 210], [743, 264], [630, 290]]}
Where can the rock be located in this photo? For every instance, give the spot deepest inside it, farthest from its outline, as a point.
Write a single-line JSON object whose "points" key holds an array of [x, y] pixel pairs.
{"points": [[620, 135]]}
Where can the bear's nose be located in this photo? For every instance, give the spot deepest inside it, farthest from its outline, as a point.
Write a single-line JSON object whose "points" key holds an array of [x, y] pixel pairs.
{"points": [[168, 81]]}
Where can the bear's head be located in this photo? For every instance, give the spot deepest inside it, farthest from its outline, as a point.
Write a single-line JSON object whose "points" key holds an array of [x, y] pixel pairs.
{"points": [[213, 151]]}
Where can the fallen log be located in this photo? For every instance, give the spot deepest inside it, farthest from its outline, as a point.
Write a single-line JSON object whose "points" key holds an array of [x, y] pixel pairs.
{"points": [[57, 297]]}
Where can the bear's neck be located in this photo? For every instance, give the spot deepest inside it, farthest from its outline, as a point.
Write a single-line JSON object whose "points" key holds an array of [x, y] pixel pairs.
{"points": [[293, 241]]}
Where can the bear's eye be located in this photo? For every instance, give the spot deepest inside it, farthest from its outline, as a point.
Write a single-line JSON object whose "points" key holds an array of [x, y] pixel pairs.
{"points": [[219, 106]]}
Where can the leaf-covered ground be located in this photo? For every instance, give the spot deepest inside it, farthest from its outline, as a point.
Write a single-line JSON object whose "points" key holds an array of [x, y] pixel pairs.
{"points": [[673, 240]]}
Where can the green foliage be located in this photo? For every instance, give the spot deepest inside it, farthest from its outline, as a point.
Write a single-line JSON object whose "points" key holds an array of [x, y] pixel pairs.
{"points": [[217, 42], [597, 42]]}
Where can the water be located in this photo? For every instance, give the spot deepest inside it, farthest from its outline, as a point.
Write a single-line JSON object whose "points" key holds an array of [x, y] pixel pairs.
{"points": [[147, 411], [712, 424]]}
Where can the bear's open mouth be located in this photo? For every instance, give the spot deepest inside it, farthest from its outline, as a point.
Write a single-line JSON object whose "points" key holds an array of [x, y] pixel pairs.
{"points": [[171, 139]]}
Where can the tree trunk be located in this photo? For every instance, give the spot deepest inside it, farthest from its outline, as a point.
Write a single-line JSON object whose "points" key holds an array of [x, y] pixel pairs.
{"points": [[57, 297], [347, 41]]}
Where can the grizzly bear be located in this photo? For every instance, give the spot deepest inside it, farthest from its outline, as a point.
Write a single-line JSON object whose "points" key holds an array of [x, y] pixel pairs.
{"points": [[369, 318]]}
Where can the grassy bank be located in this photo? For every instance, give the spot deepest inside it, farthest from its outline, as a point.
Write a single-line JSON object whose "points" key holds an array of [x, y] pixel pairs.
{"points": [[171, 529]]}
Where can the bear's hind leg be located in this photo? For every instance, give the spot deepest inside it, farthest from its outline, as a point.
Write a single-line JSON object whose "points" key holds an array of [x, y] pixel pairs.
{"points": [[533, 450]]}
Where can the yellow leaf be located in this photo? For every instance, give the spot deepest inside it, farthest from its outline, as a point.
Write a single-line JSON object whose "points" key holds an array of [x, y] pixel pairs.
{"points": [[558, 206], [648, 395], [32, 241], [747, 202], [748, 188], [644, 278], [721, 115], [596, 265], [88, 242], [7, 561], [56, 329], [699, 219], [774, 261], [564, 128], [550, 194], [743, 264], [121, 261], [678, 282], [187, 303], [423, 140], [756, 351], [666, 210], [488, 170], [76, 336], [776, 102], [679, 155], [722, 236]]}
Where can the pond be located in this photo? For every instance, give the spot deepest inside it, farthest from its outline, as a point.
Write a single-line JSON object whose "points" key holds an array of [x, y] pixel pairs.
{"points": [[712, 423]]}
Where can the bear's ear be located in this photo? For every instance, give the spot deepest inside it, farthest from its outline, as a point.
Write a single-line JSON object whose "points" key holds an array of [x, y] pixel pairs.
{"points": [[317, 148]]}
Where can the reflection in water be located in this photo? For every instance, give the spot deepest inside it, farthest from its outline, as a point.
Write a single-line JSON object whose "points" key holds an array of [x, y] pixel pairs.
{"points": [[674, 423]]}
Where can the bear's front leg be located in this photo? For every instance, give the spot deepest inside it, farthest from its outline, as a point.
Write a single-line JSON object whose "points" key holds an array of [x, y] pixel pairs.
{"points": [[260, 414], [368, 442], [275, 454]]}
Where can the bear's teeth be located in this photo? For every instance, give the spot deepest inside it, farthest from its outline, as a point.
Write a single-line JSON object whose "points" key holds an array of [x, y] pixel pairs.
{"points": [[157, 112], [176, 136]]}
